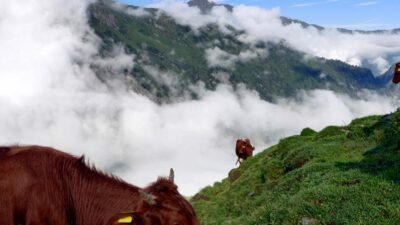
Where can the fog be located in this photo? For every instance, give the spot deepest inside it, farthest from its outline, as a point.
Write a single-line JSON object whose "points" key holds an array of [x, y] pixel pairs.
{"points": [[50, 95]]}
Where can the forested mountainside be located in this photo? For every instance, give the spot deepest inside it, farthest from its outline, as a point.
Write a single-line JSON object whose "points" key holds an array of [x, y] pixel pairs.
{"points": [[169, 58]]}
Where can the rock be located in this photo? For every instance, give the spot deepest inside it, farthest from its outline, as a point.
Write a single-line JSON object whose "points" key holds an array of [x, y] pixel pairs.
{"points": [[309, 221], [199, 196], [251, 194], [234, 174]]}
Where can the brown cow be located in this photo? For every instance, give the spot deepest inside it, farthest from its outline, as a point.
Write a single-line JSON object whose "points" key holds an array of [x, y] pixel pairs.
{"points": [[396, 75], [43, 186], [243, 150]]}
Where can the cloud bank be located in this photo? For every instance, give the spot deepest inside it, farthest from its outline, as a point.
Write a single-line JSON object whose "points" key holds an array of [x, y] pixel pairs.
{"points": [[132, 11], [50, 95], [376, 50], [219, 58]]}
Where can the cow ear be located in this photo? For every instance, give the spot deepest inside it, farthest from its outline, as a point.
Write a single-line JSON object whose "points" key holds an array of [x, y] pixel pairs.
{"points": [[147, 197], [126, 218]]}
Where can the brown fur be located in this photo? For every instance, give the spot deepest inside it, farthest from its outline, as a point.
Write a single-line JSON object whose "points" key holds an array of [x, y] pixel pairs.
{"points": [[43, 186], [396, 77], [243, 150]]}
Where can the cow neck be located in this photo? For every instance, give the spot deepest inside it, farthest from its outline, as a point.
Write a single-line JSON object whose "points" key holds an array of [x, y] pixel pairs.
{"points": [[97, 196]]}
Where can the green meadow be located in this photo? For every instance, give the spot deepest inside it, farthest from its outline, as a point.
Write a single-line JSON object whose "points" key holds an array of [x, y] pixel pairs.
{"points": [[340, 175]]}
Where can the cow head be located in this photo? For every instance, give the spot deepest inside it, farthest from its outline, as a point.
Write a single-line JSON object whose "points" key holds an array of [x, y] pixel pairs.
{"points": [[250, 149], [161, 204]]}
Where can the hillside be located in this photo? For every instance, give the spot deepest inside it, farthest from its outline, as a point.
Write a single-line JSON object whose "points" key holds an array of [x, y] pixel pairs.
{"points": [[340, 175], [172, 57]]}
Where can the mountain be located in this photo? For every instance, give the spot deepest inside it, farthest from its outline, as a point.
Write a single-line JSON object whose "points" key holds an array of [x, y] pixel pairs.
{"points": [[340, 175], [171, 58], [206, 6]]}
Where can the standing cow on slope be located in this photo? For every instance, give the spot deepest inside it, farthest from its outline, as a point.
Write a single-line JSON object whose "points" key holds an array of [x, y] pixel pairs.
{"points": [[43, 186], [243, 150], [396, 75]]}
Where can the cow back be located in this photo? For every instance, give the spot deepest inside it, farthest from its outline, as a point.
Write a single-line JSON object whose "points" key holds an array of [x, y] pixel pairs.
{"points": [[4, 150], [243, 148], [31, 190]]}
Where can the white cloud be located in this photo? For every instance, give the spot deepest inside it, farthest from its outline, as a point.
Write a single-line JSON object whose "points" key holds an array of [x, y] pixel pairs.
{"points": [[49, 95], [218, 58], [137, 12], [222, 77], [371, 24], [306, 4], [192, 16], [381, 64], [168, 79], [368, 3]]}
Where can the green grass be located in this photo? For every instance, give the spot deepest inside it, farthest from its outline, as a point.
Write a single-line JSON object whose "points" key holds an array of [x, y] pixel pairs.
{"points": [[340, 175]]}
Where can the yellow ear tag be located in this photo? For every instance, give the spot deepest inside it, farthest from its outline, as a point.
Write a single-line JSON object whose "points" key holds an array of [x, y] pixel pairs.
{"points": [[127, 219]]}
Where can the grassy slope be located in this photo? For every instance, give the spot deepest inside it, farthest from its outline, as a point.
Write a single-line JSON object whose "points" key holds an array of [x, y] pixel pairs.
{"points": [[341, 175]]}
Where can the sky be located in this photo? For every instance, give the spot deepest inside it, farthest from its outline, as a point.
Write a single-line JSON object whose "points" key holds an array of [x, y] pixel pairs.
{"points": [[350, 14]]}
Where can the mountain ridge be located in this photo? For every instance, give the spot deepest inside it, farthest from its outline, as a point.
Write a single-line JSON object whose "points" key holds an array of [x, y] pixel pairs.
{"points": [[206, 6]]}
